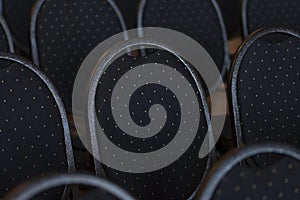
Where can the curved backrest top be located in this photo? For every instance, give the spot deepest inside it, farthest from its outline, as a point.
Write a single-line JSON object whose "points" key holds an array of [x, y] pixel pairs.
{"points": [[34, 125], [199, 19], [165, 95], [258, 14], [264, 92], [233, 158], [60, 43], [30, 189]]}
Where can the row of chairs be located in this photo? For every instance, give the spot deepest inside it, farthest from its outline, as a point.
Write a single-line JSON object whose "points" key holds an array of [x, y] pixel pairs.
{"points": [[89, 23], [246, 111], [227, 180], [264, 99], [18, 14]]}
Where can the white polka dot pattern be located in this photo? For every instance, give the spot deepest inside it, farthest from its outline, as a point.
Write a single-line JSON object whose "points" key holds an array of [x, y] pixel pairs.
{"points": [[268, 90], [279, 181], [66, 32], [179, 179], [195, 18], [32, 136]]}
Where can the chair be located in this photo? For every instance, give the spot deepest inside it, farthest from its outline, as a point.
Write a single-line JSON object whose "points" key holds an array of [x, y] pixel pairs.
{"points": [[32, 188], [17, 14], [229, 180], [6, 43], [264, 88], [157, 115], [270, 13], [34, 130], [63, 33], [201, 20]]}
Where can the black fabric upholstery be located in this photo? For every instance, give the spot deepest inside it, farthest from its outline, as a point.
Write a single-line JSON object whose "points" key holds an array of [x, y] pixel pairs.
{"points": [[231, 11], [32, 136], [279, 181], [129, 9], [66, 32], [178, 180], [97, 194], [17, 14], [4, 44], [272, 13], [268, 90], [195, 18]]}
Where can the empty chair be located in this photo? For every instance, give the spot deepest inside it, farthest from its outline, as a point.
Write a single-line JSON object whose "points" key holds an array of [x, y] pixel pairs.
{"points": [[199, 19], [63, 33], [17, 14], [265, 88], [32, 188], [229, 180], [270, 13], [34, 130], [6, 43], [142, 110]]}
